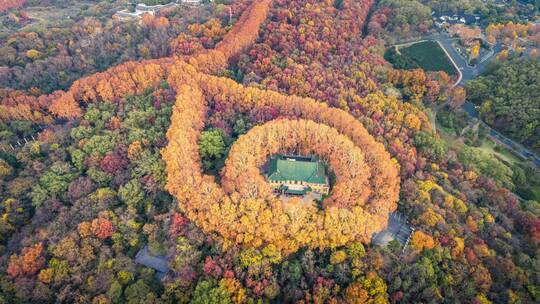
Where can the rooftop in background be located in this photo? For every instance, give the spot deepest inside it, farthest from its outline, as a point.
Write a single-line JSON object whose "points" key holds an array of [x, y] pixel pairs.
{"points": [[441, 18], [153, 8], [296, 168], [141, 9]]}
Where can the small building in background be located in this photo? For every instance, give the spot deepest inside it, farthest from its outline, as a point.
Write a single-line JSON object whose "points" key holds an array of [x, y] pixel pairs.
{"points": [[126, 14], [141, 9], [297, 175], [154, 8], [442, 20], [193, 2]]}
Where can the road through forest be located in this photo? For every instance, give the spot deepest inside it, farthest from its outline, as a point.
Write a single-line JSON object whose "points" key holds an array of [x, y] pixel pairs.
{"points": [[470, 72]]}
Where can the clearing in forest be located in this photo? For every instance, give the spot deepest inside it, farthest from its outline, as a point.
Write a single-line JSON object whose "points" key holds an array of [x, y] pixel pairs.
{"points": [[427, 55]]}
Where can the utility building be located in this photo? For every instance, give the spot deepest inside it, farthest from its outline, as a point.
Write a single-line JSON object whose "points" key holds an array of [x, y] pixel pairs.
{"points": [[297, 175]]}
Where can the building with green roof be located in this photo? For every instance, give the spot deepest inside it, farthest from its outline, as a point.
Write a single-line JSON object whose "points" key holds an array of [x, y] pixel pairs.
{"points": [[297, 175]]}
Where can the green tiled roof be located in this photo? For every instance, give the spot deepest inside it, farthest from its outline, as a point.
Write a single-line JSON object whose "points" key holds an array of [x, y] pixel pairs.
{"points": [[290, 168]]}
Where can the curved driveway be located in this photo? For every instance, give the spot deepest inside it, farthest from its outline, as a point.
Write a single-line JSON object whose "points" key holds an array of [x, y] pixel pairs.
{"points": [[468, 73]]}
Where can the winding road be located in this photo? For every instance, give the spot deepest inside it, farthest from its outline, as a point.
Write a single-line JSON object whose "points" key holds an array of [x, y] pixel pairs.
{"points": [[467, 73]]}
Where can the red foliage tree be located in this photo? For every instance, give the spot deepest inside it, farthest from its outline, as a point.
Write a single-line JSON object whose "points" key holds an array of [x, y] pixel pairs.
{"points": [[102, 228], [114, 161], [396, 297], [212, 268], [132, 78], [9, 4], [28, 263], [178, 225]]}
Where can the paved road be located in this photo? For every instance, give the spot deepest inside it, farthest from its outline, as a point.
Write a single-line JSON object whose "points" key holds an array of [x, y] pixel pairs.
{"points": [[470, 109], [518, 149], [469, 73]]}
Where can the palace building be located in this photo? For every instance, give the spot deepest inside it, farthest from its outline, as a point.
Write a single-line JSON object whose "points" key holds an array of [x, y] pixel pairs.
{"points": [[297, 175]]}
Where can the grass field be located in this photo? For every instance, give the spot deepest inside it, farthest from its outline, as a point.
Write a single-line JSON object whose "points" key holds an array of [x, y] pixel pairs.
{"points": [[427, 55], [502, 153]]}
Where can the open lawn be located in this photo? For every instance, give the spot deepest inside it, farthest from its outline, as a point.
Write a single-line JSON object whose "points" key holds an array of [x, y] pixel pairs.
{"points": [[528, 190], [427, 55], [500, 152]]}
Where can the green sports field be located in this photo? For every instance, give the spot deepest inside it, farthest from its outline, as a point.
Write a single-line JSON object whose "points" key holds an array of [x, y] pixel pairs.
{"points": [[427, 55]]}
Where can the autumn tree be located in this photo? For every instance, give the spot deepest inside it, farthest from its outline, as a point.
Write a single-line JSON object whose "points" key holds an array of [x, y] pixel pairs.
{"points": [[101, 228], [458, 97], [188, 122], [28, 263], [421, 241], [9, 4]]}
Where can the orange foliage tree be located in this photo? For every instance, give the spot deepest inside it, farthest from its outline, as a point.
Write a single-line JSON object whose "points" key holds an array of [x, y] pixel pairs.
{"points": [[9, 4], [14, 105], [360, 203], [101, 228], [28, 263], [131, 78], [246, 30], [251, 217], [242, 174], [421, 241]]}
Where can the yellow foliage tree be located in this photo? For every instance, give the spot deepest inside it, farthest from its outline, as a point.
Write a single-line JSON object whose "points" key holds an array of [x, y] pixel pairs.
{"points": [[421, 241], [33, 54]]}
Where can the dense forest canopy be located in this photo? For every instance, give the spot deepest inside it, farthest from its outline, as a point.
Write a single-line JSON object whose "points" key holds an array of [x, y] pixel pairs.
{"points": [[402, 19], [512, 108], [51, 58], [142, 183]]}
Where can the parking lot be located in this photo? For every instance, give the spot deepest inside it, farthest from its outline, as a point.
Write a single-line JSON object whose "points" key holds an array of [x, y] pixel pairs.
{"points": [[398, 229]]}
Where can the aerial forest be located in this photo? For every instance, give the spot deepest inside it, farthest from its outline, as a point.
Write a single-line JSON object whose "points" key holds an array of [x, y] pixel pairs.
{"points": [[125, 138]]}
